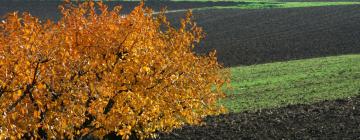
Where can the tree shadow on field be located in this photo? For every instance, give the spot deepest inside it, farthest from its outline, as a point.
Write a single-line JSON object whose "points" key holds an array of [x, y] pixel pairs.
{"points": [[110, 136]]}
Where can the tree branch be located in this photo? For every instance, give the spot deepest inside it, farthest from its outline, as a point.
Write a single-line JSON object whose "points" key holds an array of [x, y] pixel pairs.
{"points": [[111, 102], [33, 84], [2, 91], [29, 88], [11, 107]]}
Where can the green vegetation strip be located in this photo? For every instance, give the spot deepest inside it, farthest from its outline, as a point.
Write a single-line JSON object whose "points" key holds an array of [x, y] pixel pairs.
{"points": [[294, 82]]}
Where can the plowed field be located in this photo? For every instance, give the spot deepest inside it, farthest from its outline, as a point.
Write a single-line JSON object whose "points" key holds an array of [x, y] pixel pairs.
{"points": [[245, 37]]}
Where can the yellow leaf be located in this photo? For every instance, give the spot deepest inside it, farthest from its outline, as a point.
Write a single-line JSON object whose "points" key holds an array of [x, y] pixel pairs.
{"points": [[112, 27], [145, 68], [17, 95], [41, 86], [123, 88], [27, 31], [39, 103], [22, 110], [37, 114], [14, 116], [19, 135]]}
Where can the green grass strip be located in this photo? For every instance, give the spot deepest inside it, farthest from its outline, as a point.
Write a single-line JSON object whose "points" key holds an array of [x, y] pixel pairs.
{"points": [[294, 82]]}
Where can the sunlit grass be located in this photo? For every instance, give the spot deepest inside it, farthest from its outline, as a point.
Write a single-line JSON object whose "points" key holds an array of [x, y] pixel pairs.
{"points": [[294, 82]]}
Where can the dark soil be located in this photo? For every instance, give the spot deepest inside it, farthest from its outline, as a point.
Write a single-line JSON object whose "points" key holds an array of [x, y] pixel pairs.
{"points": [[339, 119], [246, 37]]}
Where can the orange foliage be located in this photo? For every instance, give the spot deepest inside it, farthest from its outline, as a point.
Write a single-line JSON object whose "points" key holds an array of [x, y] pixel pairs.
{"points": [[96, 73]]}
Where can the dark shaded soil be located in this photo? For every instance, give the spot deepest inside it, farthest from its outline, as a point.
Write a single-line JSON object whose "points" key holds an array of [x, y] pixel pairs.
{"points": [[339, 119], [246, 37]]}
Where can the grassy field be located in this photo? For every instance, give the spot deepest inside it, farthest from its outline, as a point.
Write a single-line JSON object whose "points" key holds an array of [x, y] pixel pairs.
{"points": [[293, 82]]}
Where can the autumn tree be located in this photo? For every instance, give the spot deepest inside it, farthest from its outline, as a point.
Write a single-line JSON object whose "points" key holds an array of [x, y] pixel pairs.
{"points": [[96, 71]]}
